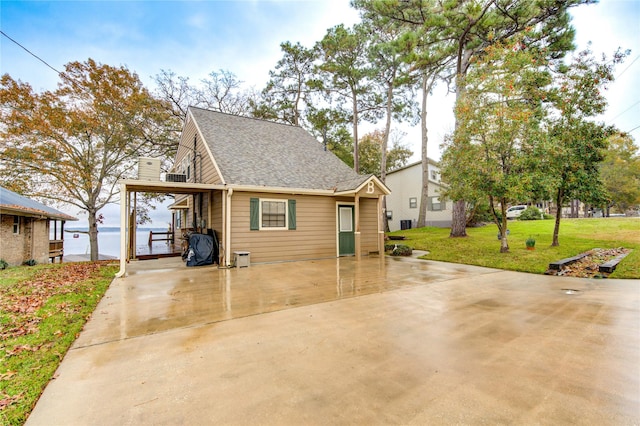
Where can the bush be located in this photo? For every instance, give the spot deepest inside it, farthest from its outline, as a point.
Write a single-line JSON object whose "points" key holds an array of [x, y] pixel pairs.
{"points": [[30, 262], [401, 250], [3, 264], [530, 213]]}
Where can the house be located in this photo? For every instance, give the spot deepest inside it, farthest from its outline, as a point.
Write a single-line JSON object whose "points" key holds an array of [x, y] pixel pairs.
{"points": [[267, 190], [403, 204], [29, 230]]}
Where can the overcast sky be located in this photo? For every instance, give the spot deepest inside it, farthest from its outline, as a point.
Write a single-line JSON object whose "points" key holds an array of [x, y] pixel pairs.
{"points": [[193, 38]]}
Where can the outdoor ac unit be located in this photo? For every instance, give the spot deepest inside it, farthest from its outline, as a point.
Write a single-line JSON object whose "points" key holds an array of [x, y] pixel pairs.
{"points": [[175, 177], [148, 168]]}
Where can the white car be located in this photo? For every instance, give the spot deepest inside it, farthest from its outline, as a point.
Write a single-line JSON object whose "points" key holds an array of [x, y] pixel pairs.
{"points": [[515, 211]]}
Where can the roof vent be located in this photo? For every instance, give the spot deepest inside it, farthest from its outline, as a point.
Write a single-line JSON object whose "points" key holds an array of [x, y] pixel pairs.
{"points": [[149, 168]]}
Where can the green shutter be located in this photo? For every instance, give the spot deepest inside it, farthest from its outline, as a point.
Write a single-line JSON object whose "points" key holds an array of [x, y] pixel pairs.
{"points": [[292, 214], [254, 214]]}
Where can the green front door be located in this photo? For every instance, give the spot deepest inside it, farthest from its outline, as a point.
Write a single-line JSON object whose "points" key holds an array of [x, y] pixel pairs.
{"points": [[346, 231]]}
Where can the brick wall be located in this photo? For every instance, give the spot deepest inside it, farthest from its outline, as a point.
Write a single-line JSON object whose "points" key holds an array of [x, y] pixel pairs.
{"points": [[32, 242]]}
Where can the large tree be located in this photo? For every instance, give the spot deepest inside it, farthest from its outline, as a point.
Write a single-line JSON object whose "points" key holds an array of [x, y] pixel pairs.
{"points": [[499, 115], [347, 75], [73, 144], [463, 29], [578, 144], [290, 87]]}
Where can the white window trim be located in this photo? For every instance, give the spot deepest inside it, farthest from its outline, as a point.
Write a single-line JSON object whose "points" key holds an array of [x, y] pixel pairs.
{"points": [[286, 214]]}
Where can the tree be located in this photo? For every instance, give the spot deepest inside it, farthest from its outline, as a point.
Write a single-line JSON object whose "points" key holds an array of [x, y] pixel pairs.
{"points": [[289, 90], [221, 91], [348, 74], [461, 30], [578, 144], [499, 115], [72, 145], [620, 172], [371, 146], [331, 126]]}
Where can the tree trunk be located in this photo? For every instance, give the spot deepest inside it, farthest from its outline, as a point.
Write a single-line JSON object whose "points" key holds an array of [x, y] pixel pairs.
{"points": [[356, 156], [383, 149], [556, 228], [93, 235], [459, 220], [424, 195]]}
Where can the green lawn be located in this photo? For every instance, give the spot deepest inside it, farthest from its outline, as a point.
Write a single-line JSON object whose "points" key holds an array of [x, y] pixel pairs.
{"points": [[42, 310], [481, 246]]}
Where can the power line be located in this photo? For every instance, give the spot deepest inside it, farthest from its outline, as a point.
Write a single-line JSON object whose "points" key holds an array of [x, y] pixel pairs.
{"points": [[31, 53], [628, 66], [638, 102]]}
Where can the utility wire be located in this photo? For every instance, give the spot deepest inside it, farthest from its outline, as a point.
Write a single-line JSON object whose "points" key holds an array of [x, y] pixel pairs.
{"points": [[638, 102], [31, 53], [628, 66]]}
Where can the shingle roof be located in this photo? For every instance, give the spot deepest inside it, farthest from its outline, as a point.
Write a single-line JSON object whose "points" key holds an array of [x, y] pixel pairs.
{"points": [[256, 152], [9, 200]]}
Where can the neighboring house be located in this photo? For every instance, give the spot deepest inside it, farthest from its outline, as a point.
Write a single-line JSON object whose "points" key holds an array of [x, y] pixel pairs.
{"points": [[29, 230], [403, 205], [267, 189]]}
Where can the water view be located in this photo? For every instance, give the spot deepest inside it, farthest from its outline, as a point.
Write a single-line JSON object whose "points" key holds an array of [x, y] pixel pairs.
{"points": [[108, 241]]}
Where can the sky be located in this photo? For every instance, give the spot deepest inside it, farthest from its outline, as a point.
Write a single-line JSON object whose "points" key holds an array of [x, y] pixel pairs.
{"points": [[194, 38]]}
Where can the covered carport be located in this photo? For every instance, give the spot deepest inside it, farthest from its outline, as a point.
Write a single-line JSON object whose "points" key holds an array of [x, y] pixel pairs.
{"points": [[128, 189]]}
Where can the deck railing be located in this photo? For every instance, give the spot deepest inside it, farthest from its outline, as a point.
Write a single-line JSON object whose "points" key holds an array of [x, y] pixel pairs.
{"points": [[167, 236]]}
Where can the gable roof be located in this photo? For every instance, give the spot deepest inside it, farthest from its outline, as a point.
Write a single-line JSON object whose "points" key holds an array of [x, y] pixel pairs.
{"points": [[253, 152], [16, 204]]}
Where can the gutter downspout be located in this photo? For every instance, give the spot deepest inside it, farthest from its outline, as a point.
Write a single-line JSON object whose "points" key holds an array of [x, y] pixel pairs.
{"points": [[227, 232], [123, 230]]}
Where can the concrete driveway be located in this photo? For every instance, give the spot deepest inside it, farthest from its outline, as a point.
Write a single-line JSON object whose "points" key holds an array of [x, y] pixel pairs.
{"points": [[380, 341]]}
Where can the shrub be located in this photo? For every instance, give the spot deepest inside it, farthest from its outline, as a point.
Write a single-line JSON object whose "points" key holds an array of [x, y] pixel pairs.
{"points": [[30, 262], [3, 264], [401, 250], [530, 242], [530, 213]]}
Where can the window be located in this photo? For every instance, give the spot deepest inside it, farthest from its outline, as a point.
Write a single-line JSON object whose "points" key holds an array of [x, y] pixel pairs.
{"points": [[413, 203], [435, 204], [272, 214], [16, 224], [434, 175]]}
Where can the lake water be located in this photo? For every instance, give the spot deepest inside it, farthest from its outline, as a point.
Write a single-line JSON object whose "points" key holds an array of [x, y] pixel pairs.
{"points": [[108, 242]]}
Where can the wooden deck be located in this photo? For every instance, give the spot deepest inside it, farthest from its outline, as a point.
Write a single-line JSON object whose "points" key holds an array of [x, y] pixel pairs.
{"points": [[157, 250]]}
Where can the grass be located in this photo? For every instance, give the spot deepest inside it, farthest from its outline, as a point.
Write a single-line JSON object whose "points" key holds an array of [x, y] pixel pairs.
{"points": [[481, 246], [42, 310]]}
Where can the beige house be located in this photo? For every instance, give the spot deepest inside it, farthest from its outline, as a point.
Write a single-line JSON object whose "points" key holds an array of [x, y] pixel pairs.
{"points": [[267, 189], [29, 230], [403, 205]]}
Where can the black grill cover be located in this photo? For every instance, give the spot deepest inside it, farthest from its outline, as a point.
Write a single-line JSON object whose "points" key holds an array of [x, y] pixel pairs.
{"points": [[201, 250]]}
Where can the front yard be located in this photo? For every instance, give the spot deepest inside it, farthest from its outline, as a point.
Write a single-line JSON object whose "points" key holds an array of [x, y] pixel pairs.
{"points": [[481, 247]]}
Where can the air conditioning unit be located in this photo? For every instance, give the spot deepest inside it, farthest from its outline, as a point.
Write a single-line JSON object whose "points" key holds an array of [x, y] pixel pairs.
{"points": [[149, 168], [175, 177]]}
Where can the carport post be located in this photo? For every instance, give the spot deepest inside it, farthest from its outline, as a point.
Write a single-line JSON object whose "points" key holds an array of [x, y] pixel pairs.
{"points": [[123, 229]]}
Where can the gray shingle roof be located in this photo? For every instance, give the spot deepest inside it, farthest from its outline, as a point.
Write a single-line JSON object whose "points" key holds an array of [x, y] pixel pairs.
{"points": [[12, 201], [256, 152]]}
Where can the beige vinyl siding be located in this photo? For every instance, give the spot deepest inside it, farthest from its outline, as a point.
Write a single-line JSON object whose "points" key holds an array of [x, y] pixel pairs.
{"points": [[368, 225], [216, 215], [208, 174], [314, 236]]}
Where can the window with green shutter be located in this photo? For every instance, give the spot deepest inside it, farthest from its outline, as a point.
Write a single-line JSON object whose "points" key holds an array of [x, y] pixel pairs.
{"points": [[272, 214]]}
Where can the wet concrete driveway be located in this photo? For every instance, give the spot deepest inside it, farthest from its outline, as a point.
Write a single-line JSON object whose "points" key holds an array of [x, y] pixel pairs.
{"points": [[381, 341]]}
